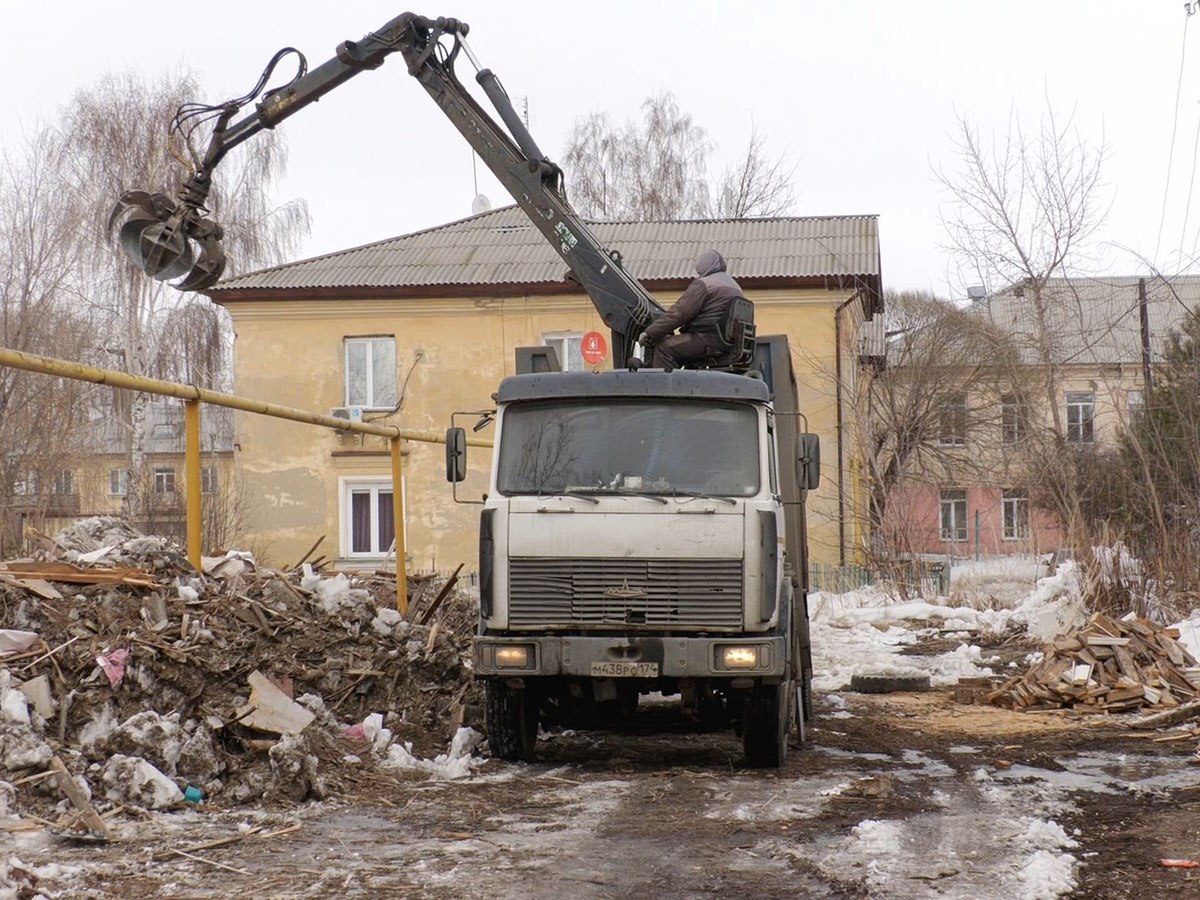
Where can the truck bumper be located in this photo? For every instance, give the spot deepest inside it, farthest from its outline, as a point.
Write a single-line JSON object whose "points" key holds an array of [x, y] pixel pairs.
{"points": [[521, 656]]}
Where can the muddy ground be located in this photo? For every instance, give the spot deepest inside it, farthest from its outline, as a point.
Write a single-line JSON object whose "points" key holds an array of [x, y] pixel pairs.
{"points": [[903, 795]]}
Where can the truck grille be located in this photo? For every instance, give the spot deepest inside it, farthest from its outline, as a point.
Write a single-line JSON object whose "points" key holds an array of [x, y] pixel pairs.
{"points": [[651, 593]]}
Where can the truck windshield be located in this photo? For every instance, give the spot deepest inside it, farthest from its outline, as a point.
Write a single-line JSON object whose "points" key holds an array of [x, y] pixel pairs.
{"points": [[660, 448]]}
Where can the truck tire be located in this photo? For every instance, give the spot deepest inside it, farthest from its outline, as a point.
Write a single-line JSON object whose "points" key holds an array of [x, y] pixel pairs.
{"points": [[888, 684], [766, 721], [512, 721]]}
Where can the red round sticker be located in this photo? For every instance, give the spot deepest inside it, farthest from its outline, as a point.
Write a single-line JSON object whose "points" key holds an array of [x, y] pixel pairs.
{"points": [[593, 347]]}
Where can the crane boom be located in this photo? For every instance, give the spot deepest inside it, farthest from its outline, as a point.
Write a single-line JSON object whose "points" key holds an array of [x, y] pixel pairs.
{"points": [[159, 234]]}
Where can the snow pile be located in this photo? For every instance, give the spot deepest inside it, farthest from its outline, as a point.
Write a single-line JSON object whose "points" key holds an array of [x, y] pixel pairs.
{"points": [[133, 781], [21, 745], [1189, 634], [1049, 871], [455, 764], [865, 631]]}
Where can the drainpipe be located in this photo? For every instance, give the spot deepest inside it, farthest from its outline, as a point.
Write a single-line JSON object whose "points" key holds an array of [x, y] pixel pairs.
{"points": [[841, 425]]}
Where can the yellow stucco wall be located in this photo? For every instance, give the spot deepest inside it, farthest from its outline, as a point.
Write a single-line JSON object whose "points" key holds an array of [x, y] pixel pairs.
{"points": [[451, 355]]}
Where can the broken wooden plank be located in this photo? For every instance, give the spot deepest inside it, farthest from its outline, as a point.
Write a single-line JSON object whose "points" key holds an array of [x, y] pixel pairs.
{"points": [[72, 574], [79, 800], [442, 594], [1172, 716]]}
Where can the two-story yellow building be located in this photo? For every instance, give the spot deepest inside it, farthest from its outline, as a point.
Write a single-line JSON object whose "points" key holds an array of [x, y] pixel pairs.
{"points": [[411, 329]]}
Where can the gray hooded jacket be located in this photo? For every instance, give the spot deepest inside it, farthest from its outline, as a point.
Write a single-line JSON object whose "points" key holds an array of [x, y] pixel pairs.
{"points": [[701, 307]]}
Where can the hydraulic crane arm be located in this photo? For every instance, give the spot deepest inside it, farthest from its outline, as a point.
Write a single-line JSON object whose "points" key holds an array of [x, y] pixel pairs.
{"points": [[171, 240]]}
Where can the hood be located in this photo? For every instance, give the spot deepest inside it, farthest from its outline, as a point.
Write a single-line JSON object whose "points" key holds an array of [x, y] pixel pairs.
{"points": [[708, 262]]}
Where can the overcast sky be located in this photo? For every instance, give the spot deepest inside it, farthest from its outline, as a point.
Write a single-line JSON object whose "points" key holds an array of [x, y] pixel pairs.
{"points": [[863, 96]]}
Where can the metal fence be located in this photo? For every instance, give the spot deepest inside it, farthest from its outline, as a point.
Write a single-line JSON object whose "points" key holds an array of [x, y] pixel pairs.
{"points": [[912, 577]]}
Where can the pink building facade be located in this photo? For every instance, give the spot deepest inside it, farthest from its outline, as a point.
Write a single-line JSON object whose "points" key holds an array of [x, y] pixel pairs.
{"points": [[969, 521]]}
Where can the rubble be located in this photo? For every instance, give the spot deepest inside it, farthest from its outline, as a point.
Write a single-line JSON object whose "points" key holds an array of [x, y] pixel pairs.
{"points": [[1110, 665], [154, 681]]}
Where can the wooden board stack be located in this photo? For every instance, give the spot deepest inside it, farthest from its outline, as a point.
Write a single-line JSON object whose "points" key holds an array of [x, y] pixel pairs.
{"points": [[1110, 665]]}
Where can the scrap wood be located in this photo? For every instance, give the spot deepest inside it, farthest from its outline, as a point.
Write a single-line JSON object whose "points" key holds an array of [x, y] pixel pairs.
{"points": [[49, 654], [311, 550], [437, 601], [1170, 717], [213, 844], [211, 862], [72, 574], [1110, 665], [38, 586], [79, 800]]}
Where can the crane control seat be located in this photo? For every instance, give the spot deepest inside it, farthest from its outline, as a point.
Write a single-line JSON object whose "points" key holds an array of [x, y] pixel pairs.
{"points": [[738, 331]]}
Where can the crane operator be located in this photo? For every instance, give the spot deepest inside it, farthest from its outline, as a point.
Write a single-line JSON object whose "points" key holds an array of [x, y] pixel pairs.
{"points": [[698, 315]]}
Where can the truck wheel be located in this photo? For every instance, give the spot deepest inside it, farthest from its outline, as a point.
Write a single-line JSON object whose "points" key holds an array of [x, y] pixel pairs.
{"points": [[765, 725], [512, 721]]}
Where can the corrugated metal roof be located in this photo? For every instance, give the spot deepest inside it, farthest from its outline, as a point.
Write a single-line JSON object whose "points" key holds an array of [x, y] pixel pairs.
{"points": [[503, 247], [1093, 321]]}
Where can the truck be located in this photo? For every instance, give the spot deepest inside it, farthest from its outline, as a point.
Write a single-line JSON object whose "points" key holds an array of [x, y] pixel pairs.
{"points": [[643, 530]]}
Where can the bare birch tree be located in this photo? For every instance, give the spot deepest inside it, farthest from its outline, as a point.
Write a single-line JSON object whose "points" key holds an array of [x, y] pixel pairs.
{"points": [[40, 417], [657, 169], [931, 408], [117, 137], [1025, 207]]}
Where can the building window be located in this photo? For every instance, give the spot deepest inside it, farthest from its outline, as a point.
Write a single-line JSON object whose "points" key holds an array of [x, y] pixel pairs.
{"points": [[64, 482], [368, 524], [371, 372], [26, 483], [1081, 417], [1012, 419], [208, 480], [164, 481], [1016, 515], [1134, 401], [952, 421], [954, 515], [567, 349], [118, 482]]}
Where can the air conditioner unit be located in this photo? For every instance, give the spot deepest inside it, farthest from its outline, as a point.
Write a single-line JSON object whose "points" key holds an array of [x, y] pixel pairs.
{"points": [[352, 413]]}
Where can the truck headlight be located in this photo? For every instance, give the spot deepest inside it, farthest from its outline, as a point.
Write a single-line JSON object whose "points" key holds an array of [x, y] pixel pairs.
{"points": [[739, 657], [513, 657]]}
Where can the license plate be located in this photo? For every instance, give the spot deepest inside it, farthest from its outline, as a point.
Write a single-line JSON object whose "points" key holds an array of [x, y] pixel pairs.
{"points": [[624, 670]]}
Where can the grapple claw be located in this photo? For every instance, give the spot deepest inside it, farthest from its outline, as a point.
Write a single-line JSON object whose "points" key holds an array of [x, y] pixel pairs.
{"points": [[168, 241]]}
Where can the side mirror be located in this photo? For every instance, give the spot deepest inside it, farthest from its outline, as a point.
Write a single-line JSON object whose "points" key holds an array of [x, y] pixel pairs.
{"points": [[808, 454], [456, 454]]}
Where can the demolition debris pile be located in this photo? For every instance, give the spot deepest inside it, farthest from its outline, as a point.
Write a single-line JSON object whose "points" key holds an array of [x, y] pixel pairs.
{"points": [[1110, 665], [163, 684]]}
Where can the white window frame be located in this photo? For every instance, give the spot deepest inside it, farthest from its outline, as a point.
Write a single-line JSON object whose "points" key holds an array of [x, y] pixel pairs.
{"points": [[372, 400], [348, 485], [1081, 404], [1012, 419], [64, 483], [1014, 505], [26, 483], [118, 479], [209, 480], [568, 347], [956, 533], [952, 421], [164, 479], [1135, 400]]}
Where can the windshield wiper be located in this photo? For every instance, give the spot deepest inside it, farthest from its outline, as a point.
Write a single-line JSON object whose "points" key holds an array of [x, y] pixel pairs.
{"points": [[657, 498], [579, 496], [700, 495]]}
